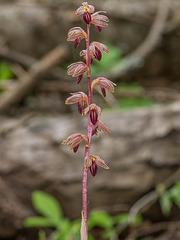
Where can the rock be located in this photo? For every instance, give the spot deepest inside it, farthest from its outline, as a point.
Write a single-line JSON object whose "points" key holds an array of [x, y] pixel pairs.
{"points": [[142, 150]]}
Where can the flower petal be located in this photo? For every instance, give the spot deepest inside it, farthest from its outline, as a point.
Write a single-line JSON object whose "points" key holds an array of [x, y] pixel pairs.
{"points": [[93, 169], [103, 83], [74, 140], [101, 126], [76, 32], [85, 8], [76, 69], [99, 20], [100, 162]]}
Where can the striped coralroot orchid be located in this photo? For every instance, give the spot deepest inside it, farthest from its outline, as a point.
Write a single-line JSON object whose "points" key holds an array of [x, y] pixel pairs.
{"points": [[100, 126], [94, 124], [93, 111], [79, 98], [96, 48], [76, 34], [99, 20], [105, 84], [91, 163], [77, 69], [74, 141]]}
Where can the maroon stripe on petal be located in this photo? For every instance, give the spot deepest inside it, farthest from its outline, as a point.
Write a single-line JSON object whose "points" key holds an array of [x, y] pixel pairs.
{"points": [[93, 169], [76, 42], [94, 130], [93, 116], [103, 90], [99, 28], [80, 107], [75, 148], [98, 54], [79, 78], [87, 17]]}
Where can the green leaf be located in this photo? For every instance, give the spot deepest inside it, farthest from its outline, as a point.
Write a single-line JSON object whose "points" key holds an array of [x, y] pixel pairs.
{"points": [[5, 71], [42, 235], [129, 103], [122, 218], [175, 193], [37, 222], [107, 61], [138, 220], [166, 203], [63, 231], [100, 219], [47, 205], [110, 234]]}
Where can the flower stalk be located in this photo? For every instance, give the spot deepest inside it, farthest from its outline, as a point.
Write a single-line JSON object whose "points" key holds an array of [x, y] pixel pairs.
{"points": [[85, 103]]}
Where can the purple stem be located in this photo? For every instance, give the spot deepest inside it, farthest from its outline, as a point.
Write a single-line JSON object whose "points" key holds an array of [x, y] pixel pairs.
{"points": [[89, 131]]}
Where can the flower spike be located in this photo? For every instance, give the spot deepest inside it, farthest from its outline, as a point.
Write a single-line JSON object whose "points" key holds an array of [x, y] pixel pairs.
{"points": [[74, 141], [85, 106]]}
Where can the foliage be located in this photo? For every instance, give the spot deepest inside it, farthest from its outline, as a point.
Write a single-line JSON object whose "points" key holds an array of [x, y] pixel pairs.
{"points": [[169, 197], [133, 102], [130, 102], [5, 71], [107, 61], [52, 216]]}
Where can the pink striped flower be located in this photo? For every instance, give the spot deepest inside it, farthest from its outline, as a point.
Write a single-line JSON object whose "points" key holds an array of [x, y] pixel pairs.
{"points": [[80, 98], [76, 69], [100, 126], [91, 163], [104, 83], [96, 48], [99, 20], [93, 110], [76, 34], [83, 54], [86, 10], [75, 140]]}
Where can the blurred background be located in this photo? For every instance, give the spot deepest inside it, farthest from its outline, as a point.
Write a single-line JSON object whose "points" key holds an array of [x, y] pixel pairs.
{"points": [[139, 197]]}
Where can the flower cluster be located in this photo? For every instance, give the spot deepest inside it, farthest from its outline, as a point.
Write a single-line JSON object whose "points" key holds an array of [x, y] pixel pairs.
{"points": [[86, 107], [78, 69]]}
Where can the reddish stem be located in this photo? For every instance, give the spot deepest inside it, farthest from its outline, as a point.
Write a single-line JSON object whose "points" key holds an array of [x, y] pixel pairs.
{"points": [[89, 131]]}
